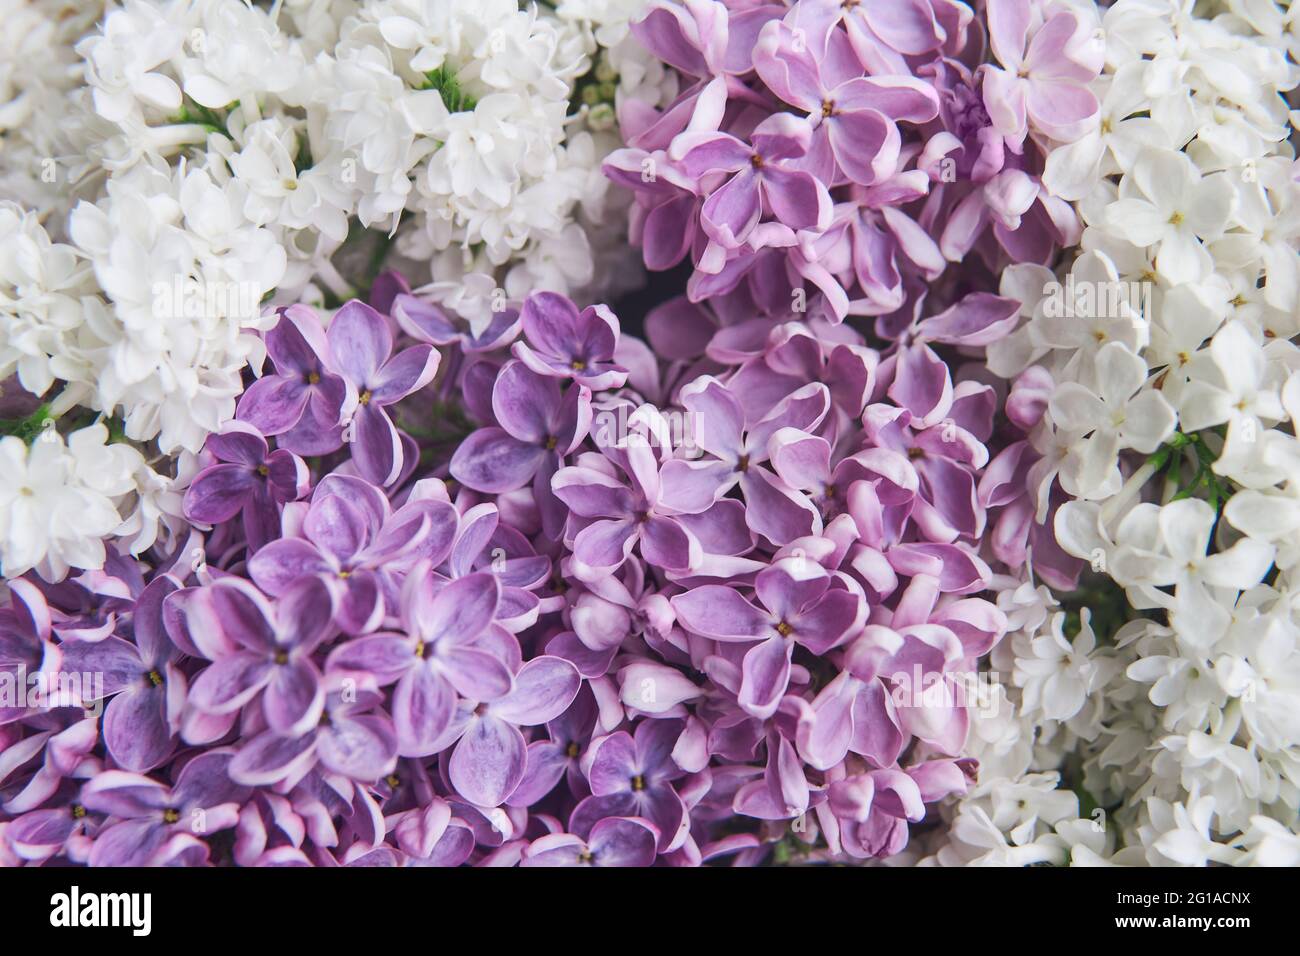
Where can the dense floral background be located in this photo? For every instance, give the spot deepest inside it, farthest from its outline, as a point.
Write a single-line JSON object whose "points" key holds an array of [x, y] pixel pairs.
{"points": [[631, 432]]}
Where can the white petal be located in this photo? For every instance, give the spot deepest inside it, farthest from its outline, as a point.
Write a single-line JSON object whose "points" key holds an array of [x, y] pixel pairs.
{"points": [[1148, 421], [1136, 220], [1120, 373], [1181, 257], [1074, 408], [1185, 528], [1165, 176], [1241, 566]]}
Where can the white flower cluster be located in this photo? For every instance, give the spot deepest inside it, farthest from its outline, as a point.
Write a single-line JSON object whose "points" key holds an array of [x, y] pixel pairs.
{"points": [[170, 167], [59, 499], [1171, 429]]}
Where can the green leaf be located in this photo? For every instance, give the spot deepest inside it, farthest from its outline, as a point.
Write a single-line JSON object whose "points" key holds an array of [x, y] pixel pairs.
{"points": [[445, 81]]}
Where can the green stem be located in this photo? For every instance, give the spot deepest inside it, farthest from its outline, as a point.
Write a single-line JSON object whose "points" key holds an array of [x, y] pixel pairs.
{"points": [[29, 428]]}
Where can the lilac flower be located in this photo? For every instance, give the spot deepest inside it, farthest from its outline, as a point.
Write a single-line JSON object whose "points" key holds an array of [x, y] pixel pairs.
{"points": [[623, 516], [490, 757], [449, 648], [565, 343], [248, 480], [362, 344], [160, 825], [704, 40], [764, 183], [1044, 77], [353, 738], [803, 462], [350, 534], [942, 455], [274, 658], [855, 137], [305, 403], [632, 775], [881, 31], [666, 216], [799, 608], [41, 835], [740, 447], [557, 757], [427, 322], [782, 792], [538, 426], [148, 690], [614, 841], [70, 755]]}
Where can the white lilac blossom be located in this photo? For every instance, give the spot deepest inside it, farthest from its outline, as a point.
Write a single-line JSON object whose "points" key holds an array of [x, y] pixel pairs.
{"points": [[59, 500], [1177, 727]]}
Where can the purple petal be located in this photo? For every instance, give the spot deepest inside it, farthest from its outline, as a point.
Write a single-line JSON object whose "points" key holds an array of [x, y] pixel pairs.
{"points": [[136, 731], [488, 761], [364, 748], [268, 758], [796, 198], [424, 321], [336, 527], [297, 341], [360, 342], [544, 689], [386, 656], [230, 683], [592, 494], [131, 843], [552, 324], [406, 372], [218, 493], [423, 706], [477, 675], [244, 614], [376, 446], [666, 544], [305, 614], [461, 610], [731, 212], [766, 674], [545, 765], [619, 841], [361, 608], [294, 700], [274, 404], [493, 461], [605, 544], [613, 765], [721, 613], [775, 510], [524, 402]]}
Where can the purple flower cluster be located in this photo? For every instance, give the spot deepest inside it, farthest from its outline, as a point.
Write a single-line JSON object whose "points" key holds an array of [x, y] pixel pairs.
{"points": [[832, 158], [648, 608]]}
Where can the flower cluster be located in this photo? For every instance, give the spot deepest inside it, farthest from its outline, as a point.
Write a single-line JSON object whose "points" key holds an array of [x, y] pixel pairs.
{"points": [[835, 158], [643, 609]]}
